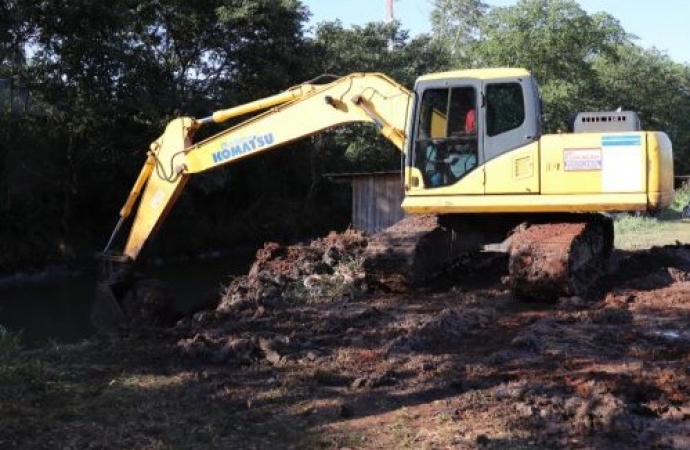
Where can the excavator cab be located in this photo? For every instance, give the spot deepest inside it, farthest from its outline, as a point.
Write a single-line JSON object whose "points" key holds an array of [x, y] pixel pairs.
{"points": [[466, 118]]}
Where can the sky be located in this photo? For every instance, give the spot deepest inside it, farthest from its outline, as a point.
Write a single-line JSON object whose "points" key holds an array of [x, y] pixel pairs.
{"points": [[662, 24]]}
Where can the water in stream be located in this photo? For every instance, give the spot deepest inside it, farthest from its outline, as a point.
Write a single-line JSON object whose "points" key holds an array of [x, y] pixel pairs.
{"points": [[55, 307]]}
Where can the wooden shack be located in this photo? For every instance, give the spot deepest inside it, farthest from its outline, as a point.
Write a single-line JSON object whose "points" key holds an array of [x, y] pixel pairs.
{"points": [[376, 199]]}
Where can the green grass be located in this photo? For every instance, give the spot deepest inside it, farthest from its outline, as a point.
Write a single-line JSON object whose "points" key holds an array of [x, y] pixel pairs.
{"points": [[667, 228], [640, 233]]}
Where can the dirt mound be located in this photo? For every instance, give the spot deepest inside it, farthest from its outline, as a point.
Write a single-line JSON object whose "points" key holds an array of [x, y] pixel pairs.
{"points": [[467, 364], [648, 269], [327, 267]]}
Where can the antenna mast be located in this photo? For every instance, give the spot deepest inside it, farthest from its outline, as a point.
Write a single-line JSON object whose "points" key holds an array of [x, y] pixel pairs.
{"points": [[390, 13], [390, 17]]}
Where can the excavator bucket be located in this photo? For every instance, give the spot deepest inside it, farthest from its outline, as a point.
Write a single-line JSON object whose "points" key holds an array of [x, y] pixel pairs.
{"points": [[125, 299], [106, 313], [114, 277]]}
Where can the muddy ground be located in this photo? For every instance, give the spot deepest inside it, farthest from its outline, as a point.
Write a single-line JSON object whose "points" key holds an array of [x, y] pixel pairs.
{"points": [[298, 354]]}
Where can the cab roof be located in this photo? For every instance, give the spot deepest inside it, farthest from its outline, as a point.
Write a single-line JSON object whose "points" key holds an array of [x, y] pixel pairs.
{"points": [[479, 74]]}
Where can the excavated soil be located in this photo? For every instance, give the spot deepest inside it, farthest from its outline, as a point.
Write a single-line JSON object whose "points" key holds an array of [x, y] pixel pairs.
{"points": [[305, 357]]}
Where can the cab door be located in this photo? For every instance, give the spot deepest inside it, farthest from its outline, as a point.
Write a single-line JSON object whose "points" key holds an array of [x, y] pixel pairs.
{"points": [[512, 124]]}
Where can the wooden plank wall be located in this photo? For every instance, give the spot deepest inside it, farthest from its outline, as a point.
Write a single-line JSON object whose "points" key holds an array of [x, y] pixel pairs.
{"points": [[376, 201]]}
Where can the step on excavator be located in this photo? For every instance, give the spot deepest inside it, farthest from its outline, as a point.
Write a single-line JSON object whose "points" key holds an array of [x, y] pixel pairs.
{"points": [[478, 171]]}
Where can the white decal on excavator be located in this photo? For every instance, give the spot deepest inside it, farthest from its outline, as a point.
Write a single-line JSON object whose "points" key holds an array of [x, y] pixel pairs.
{"points": [[579, 159], [240, 146], [623, 163], [157, 199]]}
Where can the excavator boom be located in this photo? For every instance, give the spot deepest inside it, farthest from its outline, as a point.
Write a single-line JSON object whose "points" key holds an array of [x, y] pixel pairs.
{"points": [[296, 113]]}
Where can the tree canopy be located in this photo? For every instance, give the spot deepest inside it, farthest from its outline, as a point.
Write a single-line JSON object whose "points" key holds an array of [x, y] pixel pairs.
{"points": [[582, 61], [85, 85]]}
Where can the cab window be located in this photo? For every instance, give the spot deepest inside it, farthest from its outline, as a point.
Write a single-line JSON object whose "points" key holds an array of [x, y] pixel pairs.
{"points": [[505, 108], [446, 141]]}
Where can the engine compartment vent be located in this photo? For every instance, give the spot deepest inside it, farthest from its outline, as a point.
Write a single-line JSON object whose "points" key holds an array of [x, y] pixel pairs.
{"points": [[606, 121]]}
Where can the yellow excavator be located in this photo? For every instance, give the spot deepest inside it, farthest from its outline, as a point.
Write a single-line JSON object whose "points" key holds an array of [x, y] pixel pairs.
{"points": [[477, 170]]}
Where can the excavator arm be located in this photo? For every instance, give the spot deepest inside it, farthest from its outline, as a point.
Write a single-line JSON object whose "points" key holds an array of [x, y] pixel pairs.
{"points": [[297, 113], [174, 157]]}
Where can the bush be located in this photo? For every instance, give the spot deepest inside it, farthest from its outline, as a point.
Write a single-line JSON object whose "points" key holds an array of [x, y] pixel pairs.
{"points": [[682, 197], [681, 201], [10, 343]]}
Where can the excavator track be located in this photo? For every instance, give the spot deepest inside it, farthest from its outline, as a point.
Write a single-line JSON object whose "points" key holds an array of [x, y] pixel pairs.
{"points": [[407, 254], [419, 248], [550, 256], [549, 260]]}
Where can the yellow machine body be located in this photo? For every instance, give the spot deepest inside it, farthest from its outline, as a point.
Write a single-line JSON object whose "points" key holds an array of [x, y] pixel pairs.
{"points": [[574, 172]]}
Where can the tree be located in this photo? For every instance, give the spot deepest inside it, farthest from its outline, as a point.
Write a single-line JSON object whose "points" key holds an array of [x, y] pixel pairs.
{"points": [[15, 31], [112, 74], [455, 25], [374, 47], [559, 42], [649, 82]]}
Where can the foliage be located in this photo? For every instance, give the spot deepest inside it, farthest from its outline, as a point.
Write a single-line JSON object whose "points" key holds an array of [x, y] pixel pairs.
{"points": [[108, 77], [455, 25], [682, 198], [16, 370], [658, 89], [637, 232], [664, 227], [9, 343], [631, 223], [559, 42], [14, 33], [555, 39], [375, 47]]}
